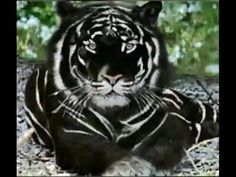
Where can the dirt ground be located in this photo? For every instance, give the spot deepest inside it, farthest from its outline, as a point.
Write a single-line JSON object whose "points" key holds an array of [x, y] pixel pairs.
{"points": [[200, 160]]}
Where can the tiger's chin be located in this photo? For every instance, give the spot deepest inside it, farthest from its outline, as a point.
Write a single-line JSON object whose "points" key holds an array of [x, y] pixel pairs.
{"points": [[110, 100]]}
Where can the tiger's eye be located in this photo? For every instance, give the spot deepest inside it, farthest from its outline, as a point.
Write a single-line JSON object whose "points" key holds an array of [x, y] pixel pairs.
{"points": [[129, 46], [92, 46]]}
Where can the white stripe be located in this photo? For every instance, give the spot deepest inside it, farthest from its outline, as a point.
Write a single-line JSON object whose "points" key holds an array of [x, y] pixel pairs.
{"points": [[141, 70], [123, 46], [105, 122], [86, 125], [181, 117], [140, 31], [30, 123], [99, 7], [135, 127], [145, 28], [61, 105], [124, 26], [78, 28], [45, 79], [110, 11], [38, 137], [124, 8], [91, 41], [76, 131], [121, 21], [172, 101], [157, 52], [141, 34], [198, 128], [100, 74], [96, 33], [35, 120], [203, 111], [57, 62], [72, 50], [85, 42], [114, 29], [170, 92], [143, 111], [142, 82], [57, 109], [80, 78], [81, 60], [73, 111], [214, 115], [154, 131], [154, 78], [37, 91], [58, 58], [92, 51], [101, 19], [135, 42], [124, 38], [97, 25]]}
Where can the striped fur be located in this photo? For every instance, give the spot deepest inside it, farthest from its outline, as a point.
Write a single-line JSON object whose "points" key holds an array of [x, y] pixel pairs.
{"points": [[100, 98]]}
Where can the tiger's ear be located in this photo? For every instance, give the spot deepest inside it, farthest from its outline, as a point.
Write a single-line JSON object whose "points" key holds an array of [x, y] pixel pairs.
{"points": [[65, 8], [149, 12]]}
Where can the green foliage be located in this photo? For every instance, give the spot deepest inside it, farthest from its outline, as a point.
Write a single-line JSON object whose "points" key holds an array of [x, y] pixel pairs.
{"points": [[191, 32], [190, 27], [35, 24]]}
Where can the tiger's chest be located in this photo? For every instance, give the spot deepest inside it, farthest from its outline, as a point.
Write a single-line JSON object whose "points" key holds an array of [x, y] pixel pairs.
{"points": [[126, 125]]}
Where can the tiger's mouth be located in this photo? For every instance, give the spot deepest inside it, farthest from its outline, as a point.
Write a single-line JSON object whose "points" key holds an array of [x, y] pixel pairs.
{"points": [[111, 99], [105, 88], [107, 95]]}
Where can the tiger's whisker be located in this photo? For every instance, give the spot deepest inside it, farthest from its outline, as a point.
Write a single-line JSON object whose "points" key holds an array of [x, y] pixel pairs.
{"points": [[59, 91], [138, 102]]}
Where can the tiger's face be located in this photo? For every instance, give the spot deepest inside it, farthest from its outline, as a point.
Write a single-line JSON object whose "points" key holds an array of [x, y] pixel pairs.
{"points": [[108, 53]]}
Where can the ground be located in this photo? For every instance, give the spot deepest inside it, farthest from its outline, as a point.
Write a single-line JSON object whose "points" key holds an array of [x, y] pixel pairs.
{"points": [[201, 159]]}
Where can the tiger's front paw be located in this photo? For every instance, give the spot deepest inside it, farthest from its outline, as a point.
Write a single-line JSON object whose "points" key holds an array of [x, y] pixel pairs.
{"points": [[130, 166]]}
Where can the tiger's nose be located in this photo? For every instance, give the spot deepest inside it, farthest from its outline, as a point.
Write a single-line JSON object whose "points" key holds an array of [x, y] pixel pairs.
{"points": [[112, 79]]}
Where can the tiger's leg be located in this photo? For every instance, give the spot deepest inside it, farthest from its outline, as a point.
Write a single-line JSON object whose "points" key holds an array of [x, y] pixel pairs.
{"points": [[82, 151], [166, 150], [88, 151], [93, 155], [189, 123], [199, 114], [34, 107], [165, 147], [160, 150]]}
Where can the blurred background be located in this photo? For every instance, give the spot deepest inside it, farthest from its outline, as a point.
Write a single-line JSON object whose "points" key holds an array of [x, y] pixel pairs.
{"points": [[190, 27]]}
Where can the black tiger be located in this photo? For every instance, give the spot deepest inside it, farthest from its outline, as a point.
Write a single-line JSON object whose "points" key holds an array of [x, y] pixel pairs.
{"points": [[100, 98]]}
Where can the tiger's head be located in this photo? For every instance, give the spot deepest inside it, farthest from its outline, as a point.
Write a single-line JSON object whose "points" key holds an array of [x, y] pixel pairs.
{"points": [[107, 51]]}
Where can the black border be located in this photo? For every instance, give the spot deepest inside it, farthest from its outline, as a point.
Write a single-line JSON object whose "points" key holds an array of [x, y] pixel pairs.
{"points": [[227, 90], [8, 88]]}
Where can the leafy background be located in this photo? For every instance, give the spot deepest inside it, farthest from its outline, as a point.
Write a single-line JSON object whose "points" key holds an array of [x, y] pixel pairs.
{"points": [[190, 27]]}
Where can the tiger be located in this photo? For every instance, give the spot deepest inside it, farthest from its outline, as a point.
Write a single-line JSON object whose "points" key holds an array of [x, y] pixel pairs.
{"points": [[101, 101]]}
